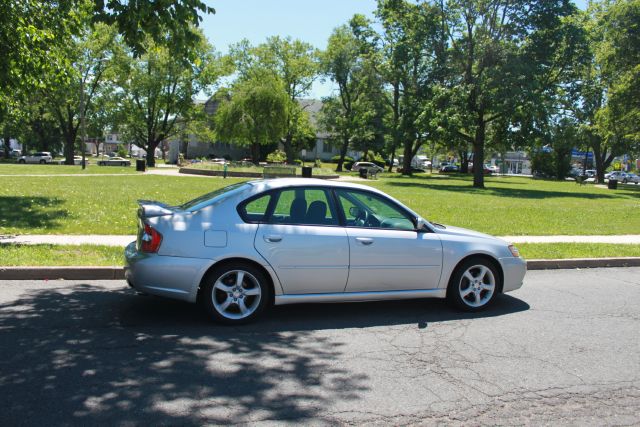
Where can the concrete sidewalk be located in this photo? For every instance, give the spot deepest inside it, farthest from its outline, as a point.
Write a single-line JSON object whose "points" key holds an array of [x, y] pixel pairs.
{"points": [[113, 240]]}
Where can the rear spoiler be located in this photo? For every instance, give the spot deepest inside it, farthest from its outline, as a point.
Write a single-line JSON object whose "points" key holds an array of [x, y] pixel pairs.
{"points": [[151, 208]]}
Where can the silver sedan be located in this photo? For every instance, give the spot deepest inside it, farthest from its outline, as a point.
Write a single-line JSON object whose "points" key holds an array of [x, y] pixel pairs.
{"points": [[242, 248]]}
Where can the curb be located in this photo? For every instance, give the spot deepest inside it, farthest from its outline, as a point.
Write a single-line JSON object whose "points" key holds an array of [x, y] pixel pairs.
{"points": [[556, 264], [117, 273]]}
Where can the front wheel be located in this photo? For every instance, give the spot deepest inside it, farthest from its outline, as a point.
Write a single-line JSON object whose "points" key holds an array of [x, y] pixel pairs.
{"points": [[474, 285], [235, 294], [22, 161]]}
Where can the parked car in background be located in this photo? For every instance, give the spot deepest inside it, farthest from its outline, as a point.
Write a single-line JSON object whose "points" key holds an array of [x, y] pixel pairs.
{"points": [[366, 165], [485, 170], [242, 248], [492, 168], [591, 173], [449, 168], [623, 177], [114, 161], [631, 178], [41, 157], [77, 160]]}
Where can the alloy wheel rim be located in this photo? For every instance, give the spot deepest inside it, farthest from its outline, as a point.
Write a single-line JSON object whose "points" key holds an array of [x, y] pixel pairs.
{"points": [[477, 285], [236, 294]]}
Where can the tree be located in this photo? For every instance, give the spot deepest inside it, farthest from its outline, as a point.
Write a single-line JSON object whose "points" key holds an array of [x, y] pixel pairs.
{"points": [[157, 91], [618, 52], [29, 29], [409, 42], [295, 63], [252, 113], [344, 115], [70, 90], [498, 49]]}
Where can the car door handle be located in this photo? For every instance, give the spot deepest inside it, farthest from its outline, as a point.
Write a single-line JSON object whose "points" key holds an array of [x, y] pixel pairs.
{"points": [[364, 240], [272, 238]]}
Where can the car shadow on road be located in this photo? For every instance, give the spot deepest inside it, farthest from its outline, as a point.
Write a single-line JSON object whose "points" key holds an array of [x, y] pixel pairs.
{"points": [[83, 354]]}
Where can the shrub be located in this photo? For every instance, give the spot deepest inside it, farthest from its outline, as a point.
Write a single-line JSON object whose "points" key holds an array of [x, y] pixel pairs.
{"points": [[336, 159], [277, 156]]}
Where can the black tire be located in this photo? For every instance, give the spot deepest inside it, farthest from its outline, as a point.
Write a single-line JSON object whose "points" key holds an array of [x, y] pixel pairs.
{"points": [[22, 161], [253, 278], [624, 181], [42, 162], [460, 283]]}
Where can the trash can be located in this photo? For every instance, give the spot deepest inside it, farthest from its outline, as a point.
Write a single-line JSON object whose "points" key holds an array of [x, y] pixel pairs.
{"points": [[612, 184], [363, 172], [140, 165], [307, 171]]}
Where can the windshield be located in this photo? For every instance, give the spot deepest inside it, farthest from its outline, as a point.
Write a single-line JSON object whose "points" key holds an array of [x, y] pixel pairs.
{"points": [[193, 204]]}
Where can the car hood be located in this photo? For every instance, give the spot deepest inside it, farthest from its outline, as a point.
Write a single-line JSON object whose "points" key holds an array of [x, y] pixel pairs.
{"points": [[459, 231]]}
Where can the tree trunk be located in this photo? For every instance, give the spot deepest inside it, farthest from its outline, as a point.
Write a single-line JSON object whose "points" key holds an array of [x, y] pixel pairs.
{"points": [[69, 146], [464, 160], [478, 153], [599, 162], [343, 152], [151, 151], [408, 157], [255, 153], [287, 144]]}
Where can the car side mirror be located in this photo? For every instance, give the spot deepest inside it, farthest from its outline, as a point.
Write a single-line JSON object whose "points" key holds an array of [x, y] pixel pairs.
{"points": [[421, 225]]}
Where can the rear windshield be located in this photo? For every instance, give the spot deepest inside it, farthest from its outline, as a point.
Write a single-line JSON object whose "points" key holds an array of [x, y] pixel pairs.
{"points": [[200, 202]]}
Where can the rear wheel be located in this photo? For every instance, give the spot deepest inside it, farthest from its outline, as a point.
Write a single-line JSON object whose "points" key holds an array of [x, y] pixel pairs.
{"points": [[474, 284], [235, 294], [22, 161]]}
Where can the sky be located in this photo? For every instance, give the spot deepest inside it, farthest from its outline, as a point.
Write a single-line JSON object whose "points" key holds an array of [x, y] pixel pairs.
{"points": [[311, 21]]}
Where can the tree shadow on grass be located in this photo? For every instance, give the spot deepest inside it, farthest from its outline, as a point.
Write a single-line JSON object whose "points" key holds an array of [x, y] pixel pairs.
{"points": [[30, 212], [86, 355], [466, 178], [519, 193]]}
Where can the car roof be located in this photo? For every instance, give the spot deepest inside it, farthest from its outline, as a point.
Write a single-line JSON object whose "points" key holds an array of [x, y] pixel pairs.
{"points": [[274, 183]]}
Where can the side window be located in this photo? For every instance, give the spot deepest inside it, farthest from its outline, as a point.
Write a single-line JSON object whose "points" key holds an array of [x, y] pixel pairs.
{"points": [[255, 210], [368, 210], [309, 206]]}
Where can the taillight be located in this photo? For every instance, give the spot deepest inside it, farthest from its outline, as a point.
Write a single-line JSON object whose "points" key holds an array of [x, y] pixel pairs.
{"points": [[151, 239]]}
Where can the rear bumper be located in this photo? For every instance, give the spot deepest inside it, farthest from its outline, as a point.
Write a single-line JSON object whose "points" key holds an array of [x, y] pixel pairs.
{"points": [[514, 270], [166, 276]]}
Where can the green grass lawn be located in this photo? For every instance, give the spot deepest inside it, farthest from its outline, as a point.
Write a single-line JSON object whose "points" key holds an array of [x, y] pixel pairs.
{"points": [[94, 255], [60, 255], [576, 250], [519, 206], [508, 206], [54, 169]]}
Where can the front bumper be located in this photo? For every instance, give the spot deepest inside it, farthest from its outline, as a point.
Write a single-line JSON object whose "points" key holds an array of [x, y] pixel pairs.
{"points": [[167, 276], [514, 270]]}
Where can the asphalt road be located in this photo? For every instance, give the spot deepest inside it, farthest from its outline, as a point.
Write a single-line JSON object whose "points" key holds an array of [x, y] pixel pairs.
{"points": [[564, 349]]}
